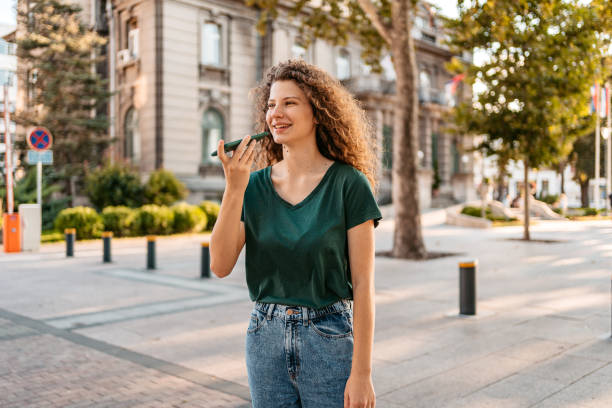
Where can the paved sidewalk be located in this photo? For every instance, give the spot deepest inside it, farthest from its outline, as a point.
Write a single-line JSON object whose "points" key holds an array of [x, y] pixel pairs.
{"points": [[79, 333]]}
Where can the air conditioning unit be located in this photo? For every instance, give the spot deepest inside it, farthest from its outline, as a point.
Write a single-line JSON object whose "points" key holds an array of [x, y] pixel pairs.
{"points": [[123, 57]]}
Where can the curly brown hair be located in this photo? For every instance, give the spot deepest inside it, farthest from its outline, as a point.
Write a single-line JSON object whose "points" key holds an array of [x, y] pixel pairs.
{"points": [[343, 132]]}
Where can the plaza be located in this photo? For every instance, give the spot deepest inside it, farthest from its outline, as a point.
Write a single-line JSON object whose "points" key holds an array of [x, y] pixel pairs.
{"points": [[75, 332]]}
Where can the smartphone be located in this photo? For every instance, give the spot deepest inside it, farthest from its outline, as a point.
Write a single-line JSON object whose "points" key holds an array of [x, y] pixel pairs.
{"points": [[233, 145]]}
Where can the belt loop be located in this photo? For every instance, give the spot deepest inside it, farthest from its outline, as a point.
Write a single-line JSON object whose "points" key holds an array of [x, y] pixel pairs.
{"points": [[270, 310], [305, 315]]}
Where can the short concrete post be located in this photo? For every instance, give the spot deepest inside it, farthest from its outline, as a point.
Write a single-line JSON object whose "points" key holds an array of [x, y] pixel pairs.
{"points": [[106, 240], [205, 265], [151, 251], [70, 235], [467, 288]]}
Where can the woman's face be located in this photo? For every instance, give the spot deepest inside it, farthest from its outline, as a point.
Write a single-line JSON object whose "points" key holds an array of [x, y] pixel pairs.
{"points": [[289, 115]]}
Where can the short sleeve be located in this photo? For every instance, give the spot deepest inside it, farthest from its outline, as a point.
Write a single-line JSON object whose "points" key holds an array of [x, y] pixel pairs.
{"points": [[359, 201]]}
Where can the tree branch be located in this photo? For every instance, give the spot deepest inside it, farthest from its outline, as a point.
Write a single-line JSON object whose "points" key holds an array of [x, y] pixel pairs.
{"points": [[370, 9]]}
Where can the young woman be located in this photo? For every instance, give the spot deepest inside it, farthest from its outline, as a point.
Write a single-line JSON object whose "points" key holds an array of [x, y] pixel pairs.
{"points": [[307, 218]]}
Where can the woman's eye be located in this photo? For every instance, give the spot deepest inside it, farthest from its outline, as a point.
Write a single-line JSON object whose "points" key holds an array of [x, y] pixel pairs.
{"points": [[270, 106]]}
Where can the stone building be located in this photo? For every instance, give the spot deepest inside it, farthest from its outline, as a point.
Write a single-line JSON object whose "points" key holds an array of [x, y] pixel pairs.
{"points": [[182, 70]]}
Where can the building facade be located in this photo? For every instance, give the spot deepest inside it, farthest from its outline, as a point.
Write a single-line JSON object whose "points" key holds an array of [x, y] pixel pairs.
{"points": [[182, 71]]}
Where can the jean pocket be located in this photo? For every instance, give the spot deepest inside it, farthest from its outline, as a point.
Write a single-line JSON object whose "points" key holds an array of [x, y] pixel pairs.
{"points": [[333, 325], [256, 322]]}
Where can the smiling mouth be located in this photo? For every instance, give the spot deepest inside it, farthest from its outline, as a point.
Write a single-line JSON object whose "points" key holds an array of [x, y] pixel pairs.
{"points": [[281, 126]]}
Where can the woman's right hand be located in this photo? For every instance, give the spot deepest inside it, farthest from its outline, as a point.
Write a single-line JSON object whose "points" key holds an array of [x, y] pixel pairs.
{"points": [[237, 167]]}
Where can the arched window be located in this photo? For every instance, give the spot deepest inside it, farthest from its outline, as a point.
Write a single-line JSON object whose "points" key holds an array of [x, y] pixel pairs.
{"points": [[343, 65], [211, 44], [424, 87], [212, 132], [131, 143]]}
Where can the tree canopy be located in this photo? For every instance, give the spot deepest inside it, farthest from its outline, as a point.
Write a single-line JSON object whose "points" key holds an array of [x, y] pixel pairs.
{"points": [[57, 55], [543, 57]]}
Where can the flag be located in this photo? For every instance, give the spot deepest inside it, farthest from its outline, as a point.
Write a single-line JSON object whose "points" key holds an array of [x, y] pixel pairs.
{"points": [[605, 100], [450, 88], [594, 98]]}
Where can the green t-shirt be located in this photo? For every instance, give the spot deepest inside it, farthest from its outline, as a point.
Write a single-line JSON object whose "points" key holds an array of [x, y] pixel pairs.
{"points": [[298, 254]]}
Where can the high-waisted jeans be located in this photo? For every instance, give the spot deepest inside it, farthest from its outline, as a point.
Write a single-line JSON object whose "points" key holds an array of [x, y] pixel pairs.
{"points": [[298, 356]]}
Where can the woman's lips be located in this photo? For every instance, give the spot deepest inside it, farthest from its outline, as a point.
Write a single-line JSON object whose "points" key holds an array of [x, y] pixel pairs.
{"points": [[281, 129]]}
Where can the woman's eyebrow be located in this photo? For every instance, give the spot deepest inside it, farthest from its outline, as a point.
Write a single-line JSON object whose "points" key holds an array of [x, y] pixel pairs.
{"points": [[286, 97]]}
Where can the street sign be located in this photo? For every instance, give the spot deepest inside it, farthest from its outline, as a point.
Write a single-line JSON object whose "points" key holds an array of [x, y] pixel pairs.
{"points": [[45, 157], [39, 139]]}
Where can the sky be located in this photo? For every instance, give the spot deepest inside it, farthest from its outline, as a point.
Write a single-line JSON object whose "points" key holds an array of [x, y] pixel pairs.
{"points": [[7, 12]]}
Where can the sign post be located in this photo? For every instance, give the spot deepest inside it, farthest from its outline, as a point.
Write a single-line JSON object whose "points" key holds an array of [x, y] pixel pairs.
{"points": [[39, 140]]}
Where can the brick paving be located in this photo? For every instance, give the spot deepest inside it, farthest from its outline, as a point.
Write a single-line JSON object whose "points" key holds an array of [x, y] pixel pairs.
{"points": [[39, 370]]}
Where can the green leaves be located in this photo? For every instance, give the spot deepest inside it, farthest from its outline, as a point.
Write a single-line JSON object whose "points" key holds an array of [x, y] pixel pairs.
{"points": [[542, 59]]}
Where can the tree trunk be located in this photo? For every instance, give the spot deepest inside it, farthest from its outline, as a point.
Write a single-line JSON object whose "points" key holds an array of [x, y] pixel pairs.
{"points": [[562, 173], [526, 236], [584, 193], [407, 238]]}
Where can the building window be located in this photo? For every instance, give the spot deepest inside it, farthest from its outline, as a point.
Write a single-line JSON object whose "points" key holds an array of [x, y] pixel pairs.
{"points": [[133, 43], [297, 51], [131, 143], [343, 65], [424, 87], [212, 132], [211, 44]]}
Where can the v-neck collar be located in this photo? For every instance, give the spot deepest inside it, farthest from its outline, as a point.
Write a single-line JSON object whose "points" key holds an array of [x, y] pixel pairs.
{"points": [[268, 173]]}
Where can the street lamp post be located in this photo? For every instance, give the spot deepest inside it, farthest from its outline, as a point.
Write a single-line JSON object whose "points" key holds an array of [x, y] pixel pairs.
{"points": [[8, 164]]}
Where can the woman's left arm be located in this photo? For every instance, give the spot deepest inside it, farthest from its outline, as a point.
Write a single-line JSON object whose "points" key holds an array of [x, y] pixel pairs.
{"points": [[359, 391]]}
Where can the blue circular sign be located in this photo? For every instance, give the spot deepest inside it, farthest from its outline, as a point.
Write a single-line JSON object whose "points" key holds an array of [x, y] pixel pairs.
{"points": [[40, 139]]}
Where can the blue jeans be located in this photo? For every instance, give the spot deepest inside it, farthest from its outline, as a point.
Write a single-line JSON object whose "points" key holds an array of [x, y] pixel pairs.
{"points": [[298, 357]]}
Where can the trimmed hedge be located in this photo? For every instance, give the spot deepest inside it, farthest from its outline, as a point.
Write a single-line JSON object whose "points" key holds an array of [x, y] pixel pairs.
{"points": [[153, 219], [86, 220], [211, 209], [119, 220], [188, 218]]}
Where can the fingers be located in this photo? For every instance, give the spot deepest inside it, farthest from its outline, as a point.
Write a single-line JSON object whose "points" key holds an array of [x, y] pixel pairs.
{"points": [[249, 155], [242, 147], [221, 152]]}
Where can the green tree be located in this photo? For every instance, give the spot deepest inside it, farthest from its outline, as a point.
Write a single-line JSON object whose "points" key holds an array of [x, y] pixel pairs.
{"points": [[379, 25], [543, 56], [56, 55]]}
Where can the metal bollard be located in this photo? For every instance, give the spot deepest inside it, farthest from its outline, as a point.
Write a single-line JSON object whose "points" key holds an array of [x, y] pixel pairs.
{"points": [[151, 251], [106, 241], [467, 288], [70, 235], [205, 266]]}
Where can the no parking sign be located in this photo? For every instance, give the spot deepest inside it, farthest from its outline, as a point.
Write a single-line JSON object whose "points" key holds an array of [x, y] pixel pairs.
{"points": [[39, 139]]}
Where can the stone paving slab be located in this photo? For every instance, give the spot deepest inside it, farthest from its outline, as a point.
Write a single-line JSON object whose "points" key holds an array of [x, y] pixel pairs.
{"points": [[38, 368], [541, 339]]}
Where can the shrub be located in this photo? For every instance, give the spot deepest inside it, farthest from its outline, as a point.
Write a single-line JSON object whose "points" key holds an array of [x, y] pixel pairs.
{"points": [[163, 188], [86, 220], [188, 218], [472, 211], [549, 199], [153, 219], [114, 185], [590, 211], [119, 220], [211, 209]]}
